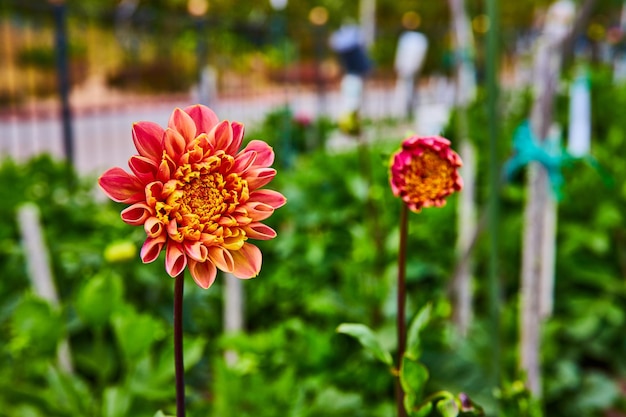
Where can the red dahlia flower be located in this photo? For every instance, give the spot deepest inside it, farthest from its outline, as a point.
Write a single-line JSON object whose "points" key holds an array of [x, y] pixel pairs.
{"points": [[425, 171], [197, 195]]}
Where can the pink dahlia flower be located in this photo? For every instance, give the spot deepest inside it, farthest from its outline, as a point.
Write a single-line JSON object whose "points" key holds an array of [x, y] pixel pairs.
{"points": [[197, 195], [425, 171]]}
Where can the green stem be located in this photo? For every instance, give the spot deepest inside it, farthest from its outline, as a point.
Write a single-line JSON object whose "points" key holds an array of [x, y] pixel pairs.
{"points": [[178, 344], [401, 322]]}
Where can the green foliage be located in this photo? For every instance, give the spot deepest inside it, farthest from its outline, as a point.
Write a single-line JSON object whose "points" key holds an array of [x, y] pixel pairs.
{"points": [[412, 373], [368, 339], [334, 261]]}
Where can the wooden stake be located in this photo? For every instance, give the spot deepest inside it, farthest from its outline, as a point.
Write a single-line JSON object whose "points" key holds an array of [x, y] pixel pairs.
{"points": [[233, 310], [539, 216], [465, 94], [38, 266]]}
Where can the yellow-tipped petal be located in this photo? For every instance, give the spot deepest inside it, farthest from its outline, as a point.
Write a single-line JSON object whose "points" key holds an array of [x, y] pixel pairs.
{"points": [[248, 261]]}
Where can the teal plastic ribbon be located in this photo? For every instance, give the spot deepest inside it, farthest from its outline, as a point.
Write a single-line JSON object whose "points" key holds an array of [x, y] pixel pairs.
{"points": [[548, 153]]}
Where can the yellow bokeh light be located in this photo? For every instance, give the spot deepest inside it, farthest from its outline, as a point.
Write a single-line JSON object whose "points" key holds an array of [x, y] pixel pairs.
{"points": [[596, 32], [318, 15], [411, 20], [481, 23], [197, 7]]}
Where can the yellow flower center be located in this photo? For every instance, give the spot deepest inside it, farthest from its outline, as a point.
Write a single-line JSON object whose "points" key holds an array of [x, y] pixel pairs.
{"points": [[204, 201], [428, 177]]}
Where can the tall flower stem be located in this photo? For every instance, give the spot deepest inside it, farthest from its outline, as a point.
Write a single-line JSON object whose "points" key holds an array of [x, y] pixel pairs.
{"points": [[178, 344], [401, 321]]}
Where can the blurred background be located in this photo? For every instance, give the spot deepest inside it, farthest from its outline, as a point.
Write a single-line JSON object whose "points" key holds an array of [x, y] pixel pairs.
{"points": [[85, 327]]}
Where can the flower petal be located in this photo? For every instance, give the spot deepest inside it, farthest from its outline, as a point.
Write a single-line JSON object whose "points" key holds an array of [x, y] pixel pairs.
{"points": [[222, 258], [258, 211], [196, 251], [148, 139], [238, 130], [137, 214], [121, 186], [175, 259], [265, 153], [203, 273], [259, 231], [248, 261], [243, 161], [174, 144], [152, 248], [221, 136], [153, 227], [167, 167], [143, 167], [182, 123], [153, 192], [269, 197], [204, 118], [259, 177]]}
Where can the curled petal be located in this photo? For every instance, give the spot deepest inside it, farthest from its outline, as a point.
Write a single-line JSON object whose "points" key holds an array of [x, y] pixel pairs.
{"points": [[204, 118], [241, 216], [243, 161], [175, 259], [265, 153], [196, 251], [234, 243], [173, 232], [259, 177], [153, 227], [174, 143], [121, 186], [203, 273], [221, 136], [153, 192], [182, 123], [152, 248], [137, 214], [222, 258], [238, 130], [166, 168], [248, 261], [259, 231], [148, 139], [258, 211], [143, 167], [269, 197]]}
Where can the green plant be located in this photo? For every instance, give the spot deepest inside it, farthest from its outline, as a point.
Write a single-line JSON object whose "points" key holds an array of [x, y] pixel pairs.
{"points": [[412, 373]]}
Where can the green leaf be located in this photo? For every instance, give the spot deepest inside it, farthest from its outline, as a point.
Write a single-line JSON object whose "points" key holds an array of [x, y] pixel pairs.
{"points": [[135, 333], [413, 335], [413, 376], [193, 349], [116, 402], [161, 414], [410, 398], [448, 407], [423, 411], [36, 325], [69, 392], [368, 340], [99, 298]]}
